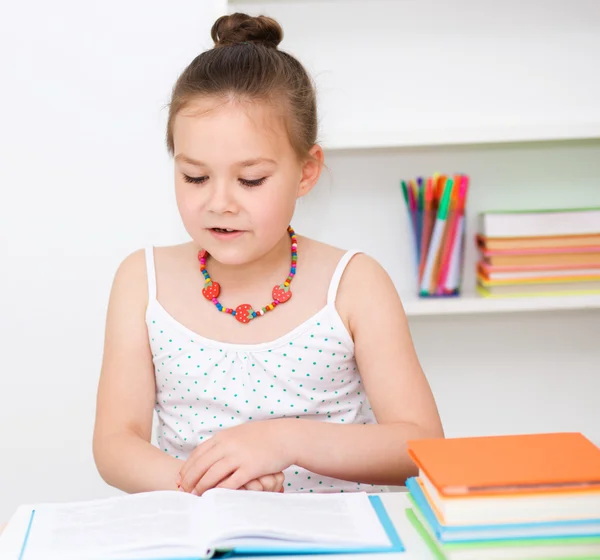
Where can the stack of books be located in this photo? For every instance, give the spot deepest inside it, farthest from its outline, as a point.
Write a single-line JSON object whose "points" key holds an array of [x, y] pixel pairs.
{"points": [[531, 496], [436, 210], [541, 253]]}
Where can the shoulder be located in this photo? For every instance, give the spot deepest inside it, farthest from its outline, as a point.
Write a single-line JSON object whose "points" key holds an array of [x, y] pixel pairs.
{"points": [[362, 270], [131, 268], [364, 276], [365, 286]]}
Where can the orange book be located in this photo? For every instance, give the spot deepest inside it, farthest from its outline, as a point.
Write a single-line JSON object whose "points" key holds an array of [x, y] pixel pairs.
{"points": [[498, 272], [508, 464]]}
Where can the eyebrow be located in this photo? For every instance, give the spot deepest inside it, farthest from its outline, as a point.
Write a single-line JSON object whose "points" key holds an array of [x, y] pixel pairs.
{"points": [[247, 163]]}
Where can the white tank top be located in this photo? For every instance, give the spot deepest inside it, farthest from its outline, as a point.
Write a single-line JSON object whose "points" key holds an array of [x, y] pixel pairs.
{"points": [[203, 386]]}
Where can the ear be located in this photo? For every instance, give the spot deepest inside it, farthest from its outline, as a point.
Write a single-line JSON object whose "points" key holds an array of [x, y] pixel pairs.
{"points": [[311, 170]]}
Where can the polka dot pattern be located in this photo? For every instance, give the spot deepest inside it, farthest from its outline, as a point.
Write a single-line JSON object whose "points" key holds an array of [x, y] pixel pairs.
{"points": [[204, 386]]}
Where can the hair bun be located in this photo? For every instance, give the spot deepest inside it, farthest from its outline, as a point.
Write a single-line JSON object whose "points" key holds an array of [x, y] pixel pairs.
{"points": [[242, 28]]}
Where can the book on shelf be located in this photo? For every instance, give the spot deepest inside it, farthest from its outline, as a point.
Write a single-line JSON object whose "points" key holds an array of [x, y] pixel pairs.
{"points": [[170, 524], [541, 253], [543, 287], [589, 242], [489, 272], [540, 223], [513, 258]]}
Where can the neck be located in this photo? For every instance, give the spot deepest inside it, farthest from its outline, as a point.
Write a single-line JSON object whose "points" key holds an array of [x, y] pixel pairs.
{"points": [[276, 262]]}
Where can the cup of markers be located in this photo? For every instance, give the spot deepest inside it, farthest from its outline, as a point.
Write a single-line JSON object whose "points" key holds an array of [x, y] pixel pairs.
{"points": [[436, 210]]}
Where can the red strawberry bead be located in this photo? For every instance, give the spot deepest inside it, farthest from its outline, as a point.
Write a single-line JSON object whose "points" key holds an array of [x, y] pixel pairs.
{"points": [[281, 293], [243, 313], [211, 291]]}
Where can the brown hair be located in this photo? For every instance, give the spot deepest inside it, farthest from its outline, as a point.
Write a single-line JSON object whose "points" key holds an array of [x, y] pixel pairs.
{"points": [[245, 64]]}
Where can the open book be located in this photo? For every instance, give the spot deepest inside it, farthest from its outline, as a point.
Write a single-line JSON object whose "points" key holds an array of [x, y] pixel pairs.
{"points": [[177, 525]]}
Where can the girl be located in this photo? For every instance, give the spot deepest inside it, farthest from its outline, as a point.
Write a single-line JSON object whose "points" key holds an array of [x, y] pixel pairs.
{"points": [[250, 383]]}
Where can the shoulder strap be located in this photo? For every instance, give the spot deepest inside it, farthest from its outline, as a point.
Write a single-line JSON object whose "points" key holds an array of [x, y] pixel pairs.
{"points": [[337, 275], [151, 273]]}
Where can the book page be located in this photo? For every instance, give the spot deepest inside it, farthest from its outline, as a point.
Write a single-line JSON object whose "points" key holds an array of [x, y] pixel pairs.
{"points": [[146, 525], [342, 519]]}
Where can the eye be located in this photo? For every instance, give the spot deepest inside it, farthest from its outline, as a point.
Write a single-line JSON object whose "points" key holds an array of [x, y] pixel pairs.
{"points": [[195, 180], [253, 182]]}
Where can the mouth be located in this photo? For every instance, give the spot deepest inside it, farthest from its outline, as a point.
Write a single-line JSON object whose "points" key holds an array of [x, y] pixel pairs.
{"points": [[225, 233], [224, 230]]}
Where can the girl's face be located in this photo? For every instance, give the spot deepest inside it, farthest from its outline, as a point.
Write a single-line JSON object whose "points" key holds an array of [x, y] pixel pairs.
{"points": [[237, 177]]}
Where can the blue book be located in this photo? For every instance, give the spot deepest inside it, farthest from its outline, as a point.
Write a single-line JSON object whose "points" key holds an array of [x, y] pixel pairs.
{"points": [[474, 533], [170, 525]]}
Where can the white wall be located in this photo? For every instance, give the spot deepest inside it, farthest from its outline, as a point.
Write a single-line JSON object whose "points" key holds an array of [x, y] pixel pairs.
{"points": [[473, 69], [85, 179]]}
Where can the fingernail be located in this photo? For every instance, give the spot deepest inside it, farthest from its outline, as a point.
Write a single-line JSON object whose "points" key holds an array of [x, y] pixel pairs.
{"points": [[195, 492]]}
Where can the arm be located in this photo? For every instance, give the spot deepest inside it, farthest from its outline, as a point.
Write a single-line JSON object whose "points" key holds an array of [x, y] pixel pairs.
{"points": [[394, 383], [124, 455]]}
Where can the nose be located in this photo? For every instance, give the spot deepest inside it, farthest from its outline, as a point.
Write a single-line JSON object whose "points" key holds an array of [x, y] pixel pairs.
{"points": [[222, 198]]}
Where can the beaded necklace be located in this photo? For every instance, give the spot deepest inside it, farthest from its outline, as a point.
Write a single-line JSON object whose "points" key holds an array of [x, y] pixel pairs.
{"points": [[244, 312]]}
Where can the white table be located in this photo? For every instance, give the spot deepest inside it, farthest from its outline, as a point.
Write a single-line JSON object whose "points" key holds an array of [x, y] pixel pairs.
{"points": [[395, 503]]}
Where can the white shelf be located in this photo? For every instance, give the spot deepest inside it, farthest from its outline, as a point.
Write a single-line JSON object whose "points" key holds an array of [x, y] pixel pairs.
{"points": [[465, 136], [471, 304]]}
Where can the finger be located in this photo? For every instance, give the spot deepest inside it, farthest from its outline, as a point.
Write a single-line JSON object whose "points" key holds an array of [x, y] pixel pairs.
{"points": [[201, 450], [273, 482], [236, 480], [214, 475], [269, 482], [255, 485], [278, 485], [199, 467], [280, 481]]}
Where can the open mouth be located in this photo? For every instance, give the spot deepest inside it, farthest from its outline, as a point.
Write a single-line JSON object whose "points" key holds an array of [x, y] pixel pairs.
{"points": [[225, 231]]}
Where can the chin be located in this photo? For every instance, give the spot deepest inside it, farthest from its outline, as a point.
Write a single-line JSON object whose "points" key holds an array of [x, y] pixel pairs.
{"points": [[228, 256]]}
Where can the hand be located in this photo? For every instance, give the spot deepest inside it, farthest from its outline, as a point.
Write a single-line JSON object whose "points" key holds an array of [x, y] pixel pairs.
{"points": [[267, 483], [235, 456]]}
